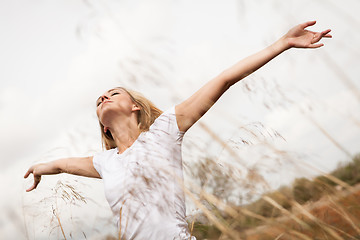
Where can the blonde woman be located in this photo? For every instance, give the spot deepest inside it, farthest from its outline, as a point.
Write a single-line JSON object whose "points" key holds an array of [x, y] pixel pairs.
{"points": [[142, 167]]}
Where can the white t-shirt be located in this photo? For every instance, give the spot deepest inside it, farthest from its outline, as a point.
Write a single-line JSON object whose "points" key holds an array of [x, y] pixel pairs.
{"points": [[143, 185]]}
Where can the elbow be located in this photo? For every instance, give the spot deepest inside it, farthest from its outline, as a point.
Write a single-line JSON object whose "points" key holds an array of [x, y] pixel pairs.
{"points": [[230, 78], [225, 78]]}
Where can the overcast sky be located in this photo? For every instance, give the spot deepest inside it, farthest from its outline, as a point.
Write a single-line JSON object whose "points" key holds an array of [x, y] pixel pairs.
{"points": [[57, 57]]}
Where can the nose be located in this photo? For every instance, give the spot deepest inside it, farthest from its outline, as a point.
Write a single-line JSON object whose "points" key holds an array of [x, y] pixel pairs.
{"points": [[103, 97]]}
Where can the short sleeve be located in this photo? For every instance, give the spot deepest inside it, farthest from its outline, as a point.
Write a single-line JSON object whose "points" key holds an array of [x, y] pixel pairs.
{"points": [[166, 124], [97, 163]]}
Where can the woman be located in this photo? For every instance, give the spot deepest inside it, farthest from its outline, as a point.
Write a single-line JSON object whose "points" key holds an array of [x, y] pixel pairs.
{"points": [[142, 167]]}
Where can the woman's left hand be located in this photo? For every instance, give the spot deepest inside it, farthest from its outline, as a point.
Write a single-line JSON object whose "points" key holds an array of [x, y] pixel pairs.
{"points": [[298, 37]]}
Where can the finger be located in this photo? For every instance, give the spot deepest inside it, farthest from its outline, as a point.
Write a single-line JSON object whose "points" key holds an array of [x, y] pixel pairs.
{"points": [[319, 36], [37, 180], [27, 173], [31, 188], [316, 45], [308, 24], [322, 34], [326, 33]]}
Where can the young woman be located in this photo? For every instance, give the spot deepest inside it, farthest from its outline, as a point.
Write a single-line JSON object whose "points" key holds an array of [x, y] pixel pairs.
{"points": [[142, 167]]}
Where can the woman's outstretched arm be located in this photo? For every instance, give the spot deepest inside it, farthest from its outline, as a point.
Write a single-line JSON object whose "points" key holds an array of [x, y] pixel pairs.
{"points": [[193, 108], [77, 166]]}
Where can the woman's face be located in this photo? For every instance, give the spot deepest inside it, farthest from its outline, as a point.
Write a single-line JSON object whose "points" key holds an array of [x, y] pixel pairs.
{"points": [[114, 102]]}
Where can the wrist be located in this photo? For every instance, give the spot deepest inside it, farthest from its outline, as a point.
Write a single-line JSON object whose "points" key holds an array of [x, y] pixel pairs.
{"points": [[55, 167], [282, 44]]}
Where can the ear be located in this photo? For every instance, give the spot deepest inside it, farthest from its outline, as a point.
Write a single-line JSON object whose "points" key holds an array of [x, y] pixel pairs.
{"points": [[106, 129], [135, 108]]}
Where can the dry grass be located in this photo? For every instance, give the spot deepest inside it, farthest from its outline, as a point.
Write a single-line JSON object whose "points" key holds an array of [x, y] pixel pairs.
{"points": [[326, 207], [331, 212]]}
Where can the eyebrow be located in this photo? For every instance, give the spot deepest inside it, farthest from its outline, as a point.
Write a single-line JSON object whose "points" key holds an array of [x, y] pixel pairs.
{"points": [[108, 92]]}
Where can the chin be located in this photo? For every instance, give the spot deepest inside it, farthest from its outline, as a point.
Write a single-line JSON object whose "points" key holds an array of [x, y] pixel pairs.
{"points": [[106, 115], [109, 112]]}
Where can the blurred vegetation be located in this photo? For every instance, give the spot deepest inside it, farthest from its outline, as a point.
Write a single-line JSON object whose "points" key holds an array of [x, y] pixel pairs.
{"points": [[294, 211]]}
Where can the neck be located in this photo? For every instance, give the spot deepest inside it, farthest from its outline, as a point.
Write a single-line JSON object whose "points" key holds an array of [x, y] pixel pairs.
{"points": [[124, 134]]}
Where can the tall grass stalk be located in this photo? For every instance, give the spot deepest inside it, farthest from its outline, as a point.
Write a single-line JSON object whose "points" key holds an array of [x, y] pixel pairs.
{"points": [[60, 225], [316, 220], [221, 226], [286, 212]]}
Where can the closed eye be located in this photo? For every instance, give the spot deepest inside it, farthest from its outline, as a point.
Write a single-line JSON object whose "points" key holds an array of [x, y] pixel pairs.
{"points": [[112, 94]]}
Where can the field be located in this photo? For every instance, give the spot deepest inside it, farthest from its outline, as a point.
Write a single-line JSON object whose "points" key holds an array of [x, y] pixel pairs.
{"points": [[326, 207]]}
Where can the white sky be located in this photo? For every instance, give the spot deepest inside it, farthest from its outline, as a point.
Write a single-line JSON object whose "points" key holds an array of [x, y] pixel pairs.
{"points": [[59, 56]]}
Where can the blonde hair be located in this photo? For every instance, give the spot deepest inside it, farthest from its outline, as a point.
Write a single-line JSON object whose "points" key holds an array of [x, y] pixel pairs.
{"points": [[146, 116]]}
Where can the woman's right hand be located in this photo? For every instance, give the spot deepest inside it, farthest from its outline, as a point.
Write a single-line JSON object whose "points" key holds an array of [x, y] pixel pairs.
{"points": [[42, 169], [36, 171]]}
